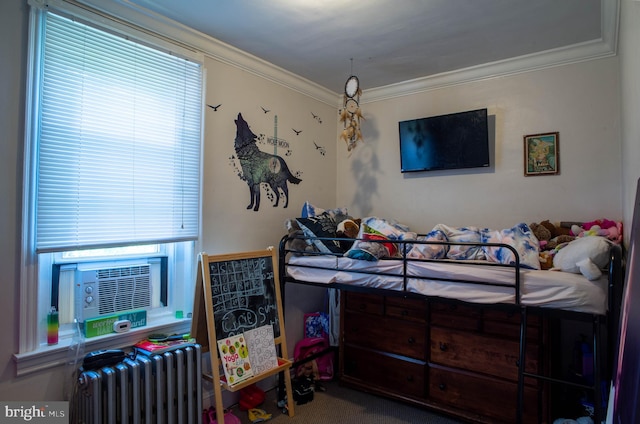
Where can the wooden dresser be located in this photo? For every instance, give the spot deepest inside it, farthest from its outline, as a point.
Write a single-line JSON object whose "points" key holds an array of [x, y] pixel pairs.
{"points": [[455, 358]]}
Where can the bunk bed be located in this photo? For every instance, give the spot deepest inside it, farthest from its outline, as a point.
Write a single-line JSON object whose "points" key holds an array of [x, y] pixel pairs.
{"points": [[465, 308]]}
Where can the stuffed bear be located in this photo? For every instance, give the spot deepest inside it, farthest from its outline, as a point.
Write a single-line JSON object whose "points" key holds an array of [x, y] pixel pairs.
{"points": [[551, 235], [556, 230], [585, 255], [542, 233]]}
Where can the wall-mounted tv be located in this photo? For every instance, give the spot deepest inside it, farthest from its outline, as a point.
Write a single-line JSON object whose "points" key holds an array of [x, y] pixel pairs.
{"points": [[453, 141]]}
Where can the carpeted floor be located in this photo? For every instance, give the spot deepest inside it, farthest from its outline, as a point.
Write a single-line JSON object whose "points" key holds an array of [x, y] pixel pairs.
{"points": [[340, 405]]}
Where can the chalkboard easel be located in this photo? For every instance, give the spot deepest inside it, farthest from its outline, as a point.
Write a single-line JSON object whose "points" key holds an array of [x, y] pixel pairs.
{"points": [[235, 293]]}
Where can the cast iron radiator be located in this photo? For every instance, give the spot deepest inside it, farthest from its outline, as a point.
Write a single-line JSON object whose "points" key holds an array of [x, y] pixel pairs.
{"points": [[162, 389]]}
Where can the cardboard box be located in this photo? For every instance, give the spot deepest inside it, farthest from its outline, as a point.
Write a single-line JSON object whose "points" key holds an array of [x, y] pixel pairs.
{"points": [[104, 325]]}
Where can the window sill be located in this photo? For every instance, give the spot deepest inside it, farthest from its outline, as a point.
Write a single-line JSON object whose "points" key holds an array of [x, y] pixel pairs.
{"points": [[52, 356]]}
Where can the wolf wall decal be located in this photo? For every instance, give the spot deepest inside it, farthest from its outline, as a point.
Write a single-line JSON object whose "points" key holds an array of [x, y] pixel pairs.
{"points": [[260, 167]]}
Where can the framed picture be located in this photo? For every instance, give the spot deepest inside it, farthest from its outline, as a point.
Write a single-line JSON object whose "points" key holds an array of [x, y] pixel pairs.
{"points": [[541, 154]]}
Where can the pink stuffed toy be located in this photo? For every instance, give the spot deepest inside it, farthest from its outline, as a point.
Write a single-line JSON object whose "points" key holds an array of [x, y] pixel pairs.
{"points": [[612, 230]]}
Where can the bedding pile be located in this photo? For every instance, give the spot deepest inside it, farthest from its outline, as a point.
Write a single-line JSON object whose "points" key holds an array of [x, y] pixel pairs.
{"points": [[378, 238], [478, 265]]}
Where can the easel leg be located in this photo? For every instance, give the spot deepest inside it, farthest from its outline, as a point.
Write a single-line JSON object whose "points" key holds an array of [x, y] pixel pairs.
{"points": [[219, 404], [287, 383]]}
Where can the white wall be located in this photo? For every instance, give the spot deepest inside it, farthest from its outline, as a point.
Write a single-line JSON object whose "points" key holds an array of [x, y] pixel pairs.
{"points": [[580, 101], [228, 226]]}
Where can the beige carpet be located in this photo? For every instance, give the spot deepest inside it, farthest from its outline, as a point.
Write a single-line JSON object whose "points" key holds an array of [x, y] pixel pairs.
{"points": [[340, 405]]}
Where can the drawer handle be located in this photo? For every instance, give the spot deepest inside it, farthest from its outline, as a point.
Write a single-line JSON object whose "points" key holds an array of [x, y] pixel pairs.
{"points": [[443, 347], [442, 386], [363, 306], [410, 378], [411, 340], [404, 313]]}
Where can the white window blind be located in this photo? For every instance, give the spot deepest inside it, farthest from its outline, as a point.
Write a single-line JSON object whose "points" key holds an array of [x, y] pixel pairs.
{"points": [[118, 141]]}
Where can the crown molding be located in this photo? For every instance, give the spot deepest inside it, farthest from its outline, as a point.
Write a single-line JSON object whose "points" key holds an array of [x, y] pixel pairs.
{"points": [[606, 46], [189, 38]]}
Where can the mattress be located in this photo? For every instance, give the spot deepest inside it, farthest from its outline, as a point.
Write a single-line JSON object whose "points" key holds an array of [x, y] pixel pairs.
{"points": [[456, 280]]}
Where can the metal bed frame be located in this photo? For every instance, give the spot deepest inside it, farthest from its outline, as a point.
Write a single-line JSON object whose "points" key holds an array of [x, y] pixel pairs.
{"points": [[604, 327]]}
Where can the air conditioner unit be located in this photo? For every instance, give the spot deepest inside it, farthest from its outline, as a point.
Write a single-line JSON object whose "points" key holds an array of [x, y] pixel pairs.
{"points": [[108, 288]]}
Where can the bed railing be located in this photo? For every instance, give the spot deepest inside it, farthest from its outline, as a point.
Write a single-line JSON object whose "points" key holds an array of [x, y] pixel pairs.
{"points": [[403, 246]]}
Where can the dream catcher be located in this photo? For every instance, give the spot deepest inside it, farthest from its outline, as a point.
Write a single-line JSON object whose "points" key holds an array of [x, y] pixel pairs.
{"points": [[351, 114]]}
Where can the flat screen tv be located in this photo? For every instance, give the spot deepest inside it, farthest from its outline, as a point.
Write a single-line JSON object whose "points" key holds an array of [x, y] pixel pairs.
{"points": [[453, 141]]}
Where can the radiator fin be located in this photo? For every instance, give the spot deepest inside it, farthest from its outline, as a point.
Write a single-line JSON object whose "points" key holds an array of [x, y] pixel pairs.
{"points": [[163, 388]]}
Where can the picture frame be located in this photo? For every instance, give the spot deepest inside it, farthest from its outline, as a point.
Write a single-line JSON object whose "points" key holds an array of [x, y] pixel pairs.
{"points": [[541, 154]]}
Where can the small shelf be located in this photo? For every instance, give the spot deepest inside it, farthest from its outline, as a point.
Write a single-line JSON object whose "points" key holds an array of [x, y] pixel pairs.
{"points": [[283, 364]]}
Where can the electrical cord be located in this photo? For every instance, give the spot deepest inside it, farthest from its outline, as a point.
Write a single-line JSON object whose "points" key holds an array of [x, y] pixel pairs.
{"points": [[75, 355]]}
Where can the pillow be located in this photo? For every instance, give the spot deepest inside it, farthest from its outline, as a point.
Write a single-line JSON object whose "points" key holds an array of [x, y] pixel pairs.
{"points": [[520, 237], [430, 251], [585, 255], [373, 228], [322, 225], [463, 235]]}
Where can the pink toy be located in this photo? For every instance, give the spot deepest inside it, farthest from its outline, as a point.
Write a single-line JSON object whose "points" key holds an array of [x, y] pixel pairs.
{"points": [[612, 230], [602, 223]]}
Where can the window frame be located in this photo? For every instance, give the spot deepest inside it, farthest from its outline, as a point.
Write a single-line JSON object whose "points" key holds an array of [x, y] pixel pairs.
{"points": [[31, 356]]}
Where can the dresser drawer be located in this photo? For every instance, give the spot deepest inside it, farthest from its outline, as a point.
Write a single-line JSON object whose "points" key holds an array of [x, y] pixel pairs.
{"points": [[454, 315], [506, 323], [404, 338], [365, 303], [480, 353], [492, 398], [386, 372], [406, 308]]}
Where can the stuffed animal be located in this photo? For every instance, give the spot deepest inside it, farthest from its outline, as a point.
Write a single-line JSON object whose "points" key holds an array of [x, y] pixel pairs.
{"points": [[612, 230], [585, 255], [294, 230], [542, 233], [348, 228], [550, 238], [549, 235], [546, 259], [556, 230]]}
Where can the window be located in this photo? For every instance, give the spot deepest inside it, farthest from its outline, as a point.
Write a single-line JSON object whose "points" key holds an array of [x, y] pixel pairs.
{"points": [[112, 172]]}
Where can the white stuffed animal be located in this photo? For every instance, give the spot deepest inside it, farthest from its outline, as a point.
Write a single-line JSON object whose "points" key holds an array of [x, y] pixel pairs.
{"points": [[586, 256]]}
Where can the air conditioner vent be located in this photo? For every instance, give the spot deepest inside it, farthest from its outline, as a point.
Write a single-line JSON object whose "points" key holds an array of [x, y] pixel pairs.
{"points": [[122, 272], [123, 289]]}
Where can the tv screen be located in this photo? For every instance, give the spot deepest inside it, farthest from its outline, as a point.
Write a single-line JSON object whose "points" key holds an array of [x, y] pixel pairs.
{"points": [[453, 141]]}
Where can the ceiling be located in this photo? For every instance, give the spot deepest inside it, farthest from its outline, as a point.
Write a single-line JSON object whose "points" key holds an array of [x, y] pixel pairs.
{"points": [[384, 42]]}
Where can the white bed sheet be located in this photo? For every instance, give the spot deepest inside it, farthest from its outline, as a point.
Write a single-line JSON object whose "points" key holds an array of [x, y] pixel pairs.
{"points": [[552, 289]]}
